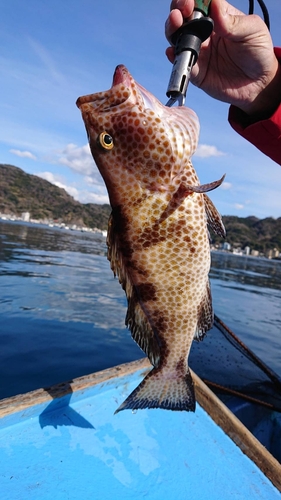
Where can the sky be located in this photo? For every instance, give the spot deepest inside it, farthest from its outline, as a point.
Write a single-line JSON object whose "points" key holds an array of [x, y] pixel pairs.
{"points": [[52, 52]]}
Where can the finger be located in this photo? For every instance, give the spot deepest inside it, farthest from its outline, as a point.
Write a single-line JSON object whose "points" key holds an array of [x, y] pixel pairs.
{"points": [[180, 10], [223, 7], [225, 17], [185, 6], [173, 22], [170, 54]]}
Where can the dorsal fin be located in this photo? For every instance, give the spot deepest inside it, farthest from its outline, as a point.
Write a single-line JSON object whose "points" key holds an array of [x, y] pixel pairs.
{"points": [[213, 217], [136, 319]]}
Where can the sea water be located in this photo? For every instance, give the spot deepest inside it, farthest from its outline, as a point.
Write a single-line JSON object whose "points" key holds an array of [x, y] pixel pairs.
{"points": [[62, 312]]}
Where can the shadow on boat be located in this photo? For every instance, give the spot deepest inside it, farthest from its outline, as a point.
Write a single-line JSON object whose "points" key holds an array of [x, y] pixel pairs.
{"points": [[59, 412]]}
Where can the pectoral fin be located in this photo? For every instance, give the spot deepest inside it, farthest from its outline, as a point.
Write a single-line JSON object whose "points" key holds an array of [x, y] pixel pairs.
{"points": [[204, 188]]}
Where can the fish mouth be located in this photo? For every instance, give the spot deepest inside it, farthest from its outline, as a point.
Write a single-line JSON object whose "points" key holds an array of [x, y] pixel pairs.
{"points": [[123, 76]]}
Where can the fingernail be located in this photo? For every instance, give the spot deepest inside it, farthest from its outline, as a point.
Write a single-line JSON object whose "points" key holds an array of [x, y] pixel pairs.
{"points": [[179, 4], [167, 26]]}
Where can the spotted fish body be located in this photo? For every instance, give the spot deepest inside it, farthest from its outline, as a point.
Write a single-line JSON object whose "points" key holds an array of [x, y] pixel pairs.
{"points": [[158, 242]]}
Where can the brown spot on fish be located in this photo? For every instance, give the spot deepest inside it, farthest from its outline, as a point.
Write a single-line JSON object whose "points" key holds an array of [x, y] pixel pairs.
{"points": [[181, 366], [146, 292]]}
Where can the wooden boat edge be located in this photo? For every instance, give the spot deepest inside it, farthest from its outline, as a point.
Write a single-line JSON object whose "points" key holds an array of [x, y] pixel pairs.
{"points": [[221, 415], [241, 436]]}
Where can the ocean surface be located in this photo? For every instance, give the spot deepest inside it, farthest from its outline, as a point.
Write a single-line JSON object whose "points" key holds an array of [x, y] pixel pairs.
{"points": [[62, 312]]}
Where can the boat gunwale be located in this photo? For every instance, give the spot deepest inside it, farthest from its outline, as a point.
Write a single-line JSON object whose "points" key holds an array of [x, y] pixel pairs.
{"points": [[215, 408]]}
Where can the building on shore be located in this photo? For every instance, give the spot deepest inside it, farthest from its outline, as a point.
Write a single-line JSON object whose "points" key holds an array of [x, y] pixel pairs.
{"points": [[272, 253], [255, 253], [25, 216], [226, 246]]}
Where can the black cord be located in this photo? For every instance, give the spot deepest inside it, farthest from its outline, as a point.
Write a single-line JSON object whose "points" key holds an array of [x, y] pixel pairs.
{"points": [[263, 9], [251, 6]]}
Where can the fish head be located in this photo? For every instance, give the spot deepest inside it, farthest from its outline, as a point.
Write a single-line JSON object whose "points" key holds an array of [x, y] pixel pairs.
{"points": [[136, 141]]}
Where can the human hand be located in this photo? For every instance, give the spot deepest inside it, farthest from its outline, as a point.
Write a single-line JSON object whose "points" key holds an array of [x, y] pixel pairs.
{"points": [[237, 63]]}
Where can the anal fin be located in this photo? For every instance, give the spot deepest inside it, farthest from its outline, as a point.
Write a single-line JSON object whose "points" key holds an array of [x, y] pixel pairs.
{"points": [[205, 315], [141, 330]]}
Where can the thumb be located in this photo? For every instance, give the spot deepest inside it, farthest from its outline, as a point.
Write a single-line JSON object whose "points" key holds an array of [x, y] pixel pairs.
{"points": [[229, 22]]}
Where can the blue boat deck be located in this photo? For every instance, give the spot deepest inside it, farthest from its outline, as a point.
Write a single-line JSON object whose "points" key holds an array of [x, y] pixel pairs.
{"points": [[74, 447]]}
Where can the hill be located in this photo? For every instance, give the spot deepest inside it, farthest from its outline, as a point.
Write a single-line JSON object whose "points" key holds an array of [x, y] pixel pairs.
{"points": [[258, 234], [22, 192]]}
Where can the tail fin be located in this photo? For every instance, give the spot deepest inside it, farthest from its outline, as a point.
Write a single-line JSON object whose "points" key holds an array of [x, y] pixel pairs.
{"points": [[161, 391]]}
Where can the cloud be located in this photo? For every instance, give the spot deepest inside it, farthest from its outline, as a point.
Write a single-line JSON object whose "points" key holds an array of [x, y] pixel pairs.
{"points": [[82, 195], [226, 185], [56, 180], [205, 151], [48, 61], [23, 154], [239, 206], [88, 197], [78, 159]]}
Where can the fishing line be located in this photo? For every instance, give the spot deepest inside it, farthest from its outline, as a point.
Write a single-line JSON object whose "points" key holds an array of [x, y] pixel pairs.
{"points": [[242, 395], [263, 9], [239, 345]]}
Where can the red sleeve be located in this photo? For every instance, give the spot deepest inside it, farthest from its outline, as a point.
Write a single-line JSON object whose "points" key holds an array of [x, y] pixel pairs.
{"points": [[264, 134]]}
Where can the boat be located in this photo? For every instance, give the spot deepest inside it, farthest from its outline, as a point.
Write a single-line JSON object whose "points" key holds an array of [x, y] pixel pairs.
{"points": [[65, 442], [264, 423], [246, 385]]}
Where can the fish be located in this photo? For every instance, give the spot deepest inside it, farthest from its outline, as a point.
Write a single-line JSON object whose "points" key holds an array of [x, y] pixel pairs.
{"points": [[158, 236]]}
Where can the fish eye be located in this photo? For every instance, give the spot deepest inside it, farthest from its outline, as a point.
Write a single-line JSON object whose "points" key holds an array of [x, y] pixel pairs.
{"points": [[105, 140]]}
